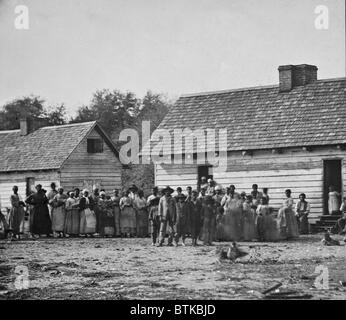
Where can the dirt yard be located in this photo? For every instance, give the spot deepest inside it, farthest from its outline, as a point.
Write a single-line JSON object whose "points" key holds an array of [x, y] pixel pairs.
{"points": [[132, 269]]}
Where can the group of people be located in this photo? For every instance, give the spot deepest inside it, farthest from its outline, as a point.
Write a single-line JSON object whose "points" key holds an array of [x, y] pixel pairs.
{"points": [[208, 214]]}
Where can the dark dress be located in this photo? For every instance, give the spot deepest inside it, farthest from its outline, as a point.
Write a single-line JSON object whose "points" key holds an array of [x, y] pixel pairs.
{"points": [[41, 223], [195, 218]]}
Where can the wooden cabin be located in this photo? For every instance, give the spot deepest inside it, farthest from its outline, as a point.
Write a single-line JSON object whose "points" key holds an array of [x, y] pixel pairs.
{"points": [[74, 155], [286, 136]]}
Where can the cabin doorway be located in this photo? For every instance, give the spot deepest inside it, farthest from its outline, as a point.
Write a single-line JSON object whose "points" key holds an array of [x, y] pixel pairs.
{"points": [[30, 186], [332, 176], [204, 171]]}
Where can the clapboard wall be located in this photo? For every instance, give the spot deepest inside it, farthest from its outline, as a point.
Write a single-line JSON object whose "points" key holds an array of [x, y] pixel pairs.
{"points": [[8, 180], [295, 169], [83, 169]]}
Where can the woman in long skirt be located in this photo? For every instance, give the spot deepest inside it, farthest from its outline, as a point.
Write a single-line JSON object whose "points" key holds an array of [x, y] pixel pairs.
{"points": [[16, 216], [87, 225], [41, 223], [266, 223], [72, 215], [231, 220], [58, 213], [106, 215], [116, 211], [287, 221], [249, 229], [127, 216], [142, 220]]}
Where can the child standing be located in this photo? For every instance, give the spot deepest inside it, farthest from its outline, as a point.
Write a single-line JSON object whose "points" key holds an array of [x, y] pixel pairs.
{"points": [[181, 220], [195, 211], [249, 229], [154, 219]]}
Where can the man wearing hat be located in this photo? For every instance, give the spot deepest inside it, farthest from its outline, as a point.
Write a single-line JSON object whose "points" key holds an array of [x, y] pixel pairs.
{"points": [[167, 214]]}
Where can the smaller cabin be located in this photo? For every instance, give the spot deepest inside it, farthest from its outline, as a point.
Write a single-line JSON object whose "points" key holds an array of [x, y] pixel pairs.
{"points": [[79, 155]]}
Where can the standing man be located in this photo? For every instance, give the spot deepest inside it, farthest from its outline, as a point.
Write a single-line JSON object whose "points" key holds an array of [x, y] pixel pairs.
{"points": [[167, 214]]}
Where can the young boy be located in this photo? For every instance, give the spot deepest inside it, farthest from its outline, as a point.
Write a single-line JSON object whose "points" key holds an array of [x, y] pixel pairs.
{"points": [[195, 211], [181, 220]]}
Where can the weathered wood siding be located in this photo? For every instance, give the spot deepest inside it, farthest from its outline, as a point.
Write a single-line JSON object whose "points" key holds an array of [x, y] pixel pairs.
{"points": [[295, 169], [83, 169], [8, 180]]}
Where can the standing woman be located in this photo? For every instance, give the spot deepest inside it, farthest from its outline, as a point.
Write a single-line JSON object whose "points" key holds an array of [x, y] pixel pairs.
{"points": [[249, 228], [72, 215], [302, 212], [140, 204], [232, 218], [116, 211], [127, 216], [266, 223], [333, 201], [287, 221], [50, 196], [41, 223], [87, 215], [58, 213], [106, 215], [16, 216]]}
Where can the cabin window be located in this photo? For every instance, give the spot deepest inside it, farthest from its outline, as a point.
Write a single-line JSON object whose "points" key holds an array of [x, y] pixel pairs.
{"points": [[95, 145]]}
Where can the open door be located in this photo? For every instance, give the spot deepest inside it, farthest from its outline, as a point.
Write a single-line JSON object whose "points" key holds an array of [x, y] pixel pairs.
{"points": [[204, 171], [332, 176]]}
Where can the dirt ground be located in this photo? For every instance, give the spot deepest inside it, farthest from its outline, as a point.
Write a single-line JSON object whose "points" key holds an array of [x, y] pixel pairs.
{"points": [[133, 269]]}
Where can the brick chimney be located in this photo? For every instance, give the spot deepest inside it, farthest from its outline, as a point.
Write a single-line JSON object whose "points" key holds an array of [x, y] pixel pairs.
{"points": [[24, 126], [291, 76]]}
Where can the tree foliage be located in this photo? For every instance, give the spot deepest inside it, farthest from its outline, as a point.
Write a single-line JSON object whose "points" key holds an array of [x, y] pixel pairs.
{"points": [[32, 107]]}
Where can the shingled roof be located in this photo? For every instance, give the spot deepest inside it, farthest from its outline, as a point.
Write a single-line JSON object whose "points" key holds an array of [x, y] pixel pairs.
{"points": [[44, 149], [264, 117]]}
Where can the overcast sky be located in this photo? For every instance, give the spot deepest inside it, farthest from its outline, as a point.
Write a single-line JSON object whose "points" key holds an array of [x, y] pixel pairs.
{"points": [[74, 47]]}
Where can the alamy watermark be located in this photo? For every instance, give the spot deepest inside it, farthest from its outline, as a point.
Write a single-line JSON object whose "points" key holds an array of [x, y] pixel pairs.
{"points": [[178, 146], [22, 278], [322, 17], [21, 20]]}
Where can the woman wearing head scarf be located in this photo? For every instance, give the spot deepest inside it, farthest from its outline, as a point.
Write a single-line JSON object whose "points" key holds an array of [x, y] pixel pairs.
{"points": [[219, 213], [106, 215], [16, 216], [87, 225], [287, 222], [41, 223], [116, 211], [127, 216], [142, 219], [58, 213], [72, 220]]}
